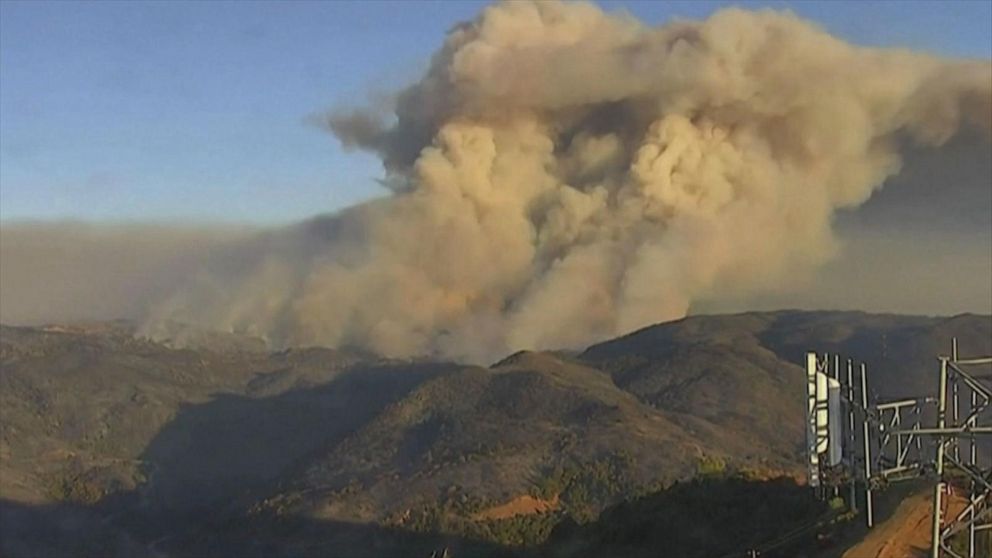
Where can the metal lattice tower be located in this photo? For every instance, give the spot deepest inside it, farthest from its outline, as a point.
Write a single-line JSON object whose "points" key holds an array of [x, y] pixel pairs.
{"points": [[862, 444]]}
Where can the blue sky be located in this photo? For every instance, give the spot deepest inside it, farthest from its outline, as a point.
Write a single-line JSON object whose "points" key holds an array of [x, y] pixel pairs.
{"points": [[127, 111]]}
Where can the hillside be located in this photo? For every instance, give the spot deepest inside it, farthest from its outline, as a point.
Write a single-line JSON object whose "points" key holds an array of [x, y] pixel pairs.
{"points": [[150, 445]]}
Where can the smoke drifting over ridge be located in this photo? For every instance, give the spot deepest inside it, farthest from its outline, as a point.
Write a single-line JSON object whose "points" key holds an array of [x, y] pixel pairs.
{"points": [[55, 272], [562, 175]]}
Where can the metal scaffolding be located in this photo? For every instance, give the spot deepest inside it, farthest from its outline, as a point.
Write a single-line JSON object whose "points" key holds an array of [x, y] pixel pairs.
{"points": [[862, 444]]}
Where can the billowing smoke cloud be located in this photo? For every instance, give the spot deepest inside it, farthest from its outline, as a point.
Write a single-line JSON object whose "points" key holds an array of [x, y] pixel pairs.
{"points": [[561, 175]]}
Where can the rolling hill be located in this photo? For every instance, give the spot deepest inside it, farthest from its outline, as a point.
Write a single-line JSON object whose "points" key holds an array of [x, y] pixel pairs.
{"points": [[126, 446]]}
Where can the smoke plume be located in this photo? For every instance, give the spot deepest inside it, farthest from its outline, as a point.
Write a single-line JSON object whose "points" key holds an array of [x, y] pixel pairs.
{"points": [[562, 175], [72, 272]]}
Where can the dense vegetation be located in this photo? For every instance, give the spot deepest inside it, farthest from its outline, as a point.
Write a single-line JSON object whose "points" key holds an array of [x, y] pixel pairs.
{"points": [[720, 509], [579, 490], [708, 516]]}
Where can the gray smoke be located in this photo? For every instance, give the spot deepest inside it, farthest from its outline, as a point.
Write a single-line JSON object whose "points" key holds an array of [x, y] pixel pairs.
{"points": [[562, 175], [69, 272]]}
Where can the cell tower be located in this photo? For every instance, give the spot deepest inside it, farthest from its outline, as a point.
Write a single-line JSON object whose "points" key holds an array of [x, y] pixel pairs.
{"points": [[857, 445]]}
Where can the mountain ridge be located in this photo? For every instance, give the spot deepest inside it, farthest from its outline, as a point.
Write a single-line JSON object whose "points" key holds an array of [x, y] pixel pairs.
{"points": [[160, 437]]}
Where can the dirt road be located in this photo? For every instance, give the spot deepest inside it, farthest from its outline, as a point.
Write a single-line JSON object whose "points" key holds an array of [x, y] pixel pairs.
{"points": [[907, 533]]}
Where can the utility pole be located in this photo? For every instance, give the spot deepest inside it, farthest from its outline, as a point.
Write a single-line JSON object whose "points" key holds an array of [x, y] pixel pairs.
{"points": [[851, 438], [938, 489], [869, 519]]}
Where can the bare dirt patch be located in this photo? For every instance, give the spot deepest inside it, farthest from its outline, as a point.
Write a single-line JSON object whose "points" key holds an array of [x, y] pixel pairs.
{"points": [[907, 533], [521, 505]]}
